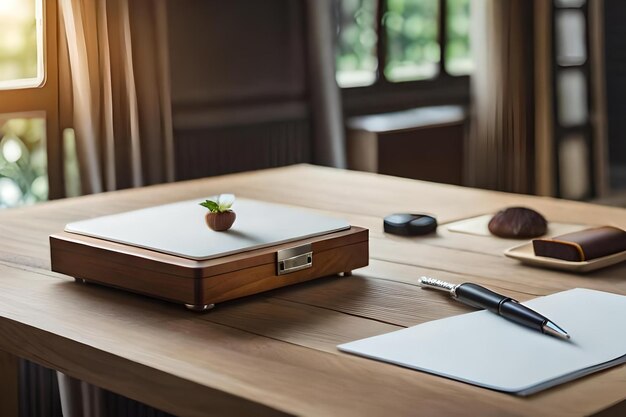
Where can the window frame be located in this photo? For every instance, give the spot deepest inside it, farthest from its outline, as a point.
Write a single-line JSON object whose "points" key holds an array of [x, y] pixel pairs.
{"points": [[25, 101], [384, 95], [585, 129]]}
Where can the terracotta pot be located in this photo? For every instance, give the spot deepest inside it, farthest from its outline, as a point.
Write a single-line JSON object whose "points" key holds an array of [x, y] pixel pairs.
{"points": [[220, 221]]}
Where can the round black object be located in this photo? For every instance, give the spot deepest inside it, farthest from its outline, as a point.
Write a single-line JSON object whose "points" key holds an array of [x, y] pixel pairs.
{"points": [[410, 224]]}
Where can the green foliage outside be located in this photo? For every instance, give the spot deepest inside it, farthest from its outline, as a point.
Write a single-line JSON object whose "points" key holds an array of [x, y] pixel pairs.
{"points": [[412, 48], [356, 43], [411, 27], [23, 163], [458, 56]]}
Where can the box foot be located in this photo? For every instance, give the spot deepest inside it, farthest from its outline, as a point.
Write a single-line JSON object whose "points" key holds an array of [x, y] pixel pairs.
{"points": [[345, 274], [199, 308], [79, 281]]}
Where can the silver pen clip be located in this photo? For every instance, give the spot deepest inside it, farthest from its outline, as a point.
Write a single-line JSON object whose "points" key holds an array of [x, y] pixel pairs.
{"points": [[437, 284]]}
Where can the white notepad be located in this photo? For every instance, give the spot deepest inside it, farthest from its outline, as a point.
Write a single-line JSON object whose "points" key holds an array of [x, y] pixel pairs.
{"points": [[484, 349], [180, 229], [479, 226]]}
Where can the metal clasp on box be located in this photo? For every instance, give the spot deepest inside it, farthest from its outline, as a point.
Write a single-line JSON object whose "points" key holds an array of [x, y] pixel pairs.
{"points": [[294, 259]]}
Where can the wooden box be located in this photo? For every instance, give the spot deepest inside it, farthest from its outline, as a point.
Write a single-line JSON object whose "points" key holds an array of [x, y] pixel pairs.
{"points": [[200, 284]]}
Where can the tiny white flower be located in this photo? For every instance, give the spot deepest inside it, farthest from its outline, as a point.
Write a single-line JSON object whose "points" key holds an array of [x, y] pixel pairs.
{"points": [[225, 201]]}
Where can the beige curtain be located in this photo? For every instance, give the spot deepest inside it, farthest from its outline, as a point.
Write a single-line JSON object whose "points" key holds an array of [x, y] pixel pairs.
{"points": [[79, 399], [500, 148], [115, 91], [329, 146]]}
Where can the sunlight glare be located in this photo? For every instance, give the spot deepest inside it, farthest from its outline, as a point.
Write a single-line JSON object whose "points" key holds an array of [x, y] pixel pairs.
{"points": [[14, 8], [11, 150], [10, 193]]}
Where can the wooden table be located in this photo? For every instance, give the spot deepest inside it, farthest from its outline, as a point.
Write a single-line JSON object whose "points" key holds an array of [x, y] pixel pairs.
{"points": [[275, 353]]}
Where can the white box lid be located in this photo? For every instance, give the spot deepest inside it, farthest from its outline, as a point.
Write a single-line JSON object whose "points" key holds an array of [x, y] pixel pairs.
{"points": [[179, 228]]}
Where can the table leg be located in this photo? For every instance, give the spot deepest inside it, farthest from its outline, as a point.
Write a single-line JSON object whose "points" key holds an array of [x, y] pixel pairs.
{"points": [[9, 383]]}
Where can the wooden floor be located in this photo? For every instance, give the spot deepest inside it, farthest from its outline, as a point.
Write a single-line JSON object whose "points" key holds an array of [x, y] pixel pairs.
{"points": [[275, 353]]}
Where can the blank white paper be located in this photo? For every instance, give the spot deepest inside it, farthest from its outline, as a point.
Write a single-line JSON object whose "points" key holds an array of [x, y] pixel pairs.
{"points": [[484, 349], [180, 229]]}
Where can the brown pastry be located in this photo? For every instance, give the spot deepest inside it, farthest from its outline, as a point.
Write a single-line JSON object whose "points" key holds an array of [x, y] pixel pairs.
{"points": [[518, 222], [584, 245]]}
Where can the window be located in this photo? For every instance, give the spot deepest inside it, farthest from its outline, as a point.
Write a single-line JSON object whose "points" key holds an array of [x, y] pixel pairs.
{"points": [[402, 40], [573, 131], [23, 160], [458, 60], [29, 117], [21, 44], [356, 43], [412, 50]]}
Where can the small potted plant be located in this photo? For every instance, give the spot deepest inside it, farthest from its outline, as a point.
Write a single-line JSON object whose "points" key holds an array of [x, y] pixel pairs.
{"points": [[220, 217]]}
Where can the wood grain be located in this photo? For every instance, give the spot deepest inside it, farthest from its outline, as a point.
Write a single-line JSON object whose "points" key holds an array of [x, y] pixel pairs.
{"points": [[275, 353], [148, 341], [174, 265], [9, 382], [263, 277], [187, 281], [59, 335]]}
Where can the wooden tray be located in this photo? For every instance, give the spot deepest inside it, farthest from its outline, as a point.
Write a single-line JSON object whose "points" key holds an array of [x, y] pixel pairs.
{"points": [[201, 284], [526, 254]]}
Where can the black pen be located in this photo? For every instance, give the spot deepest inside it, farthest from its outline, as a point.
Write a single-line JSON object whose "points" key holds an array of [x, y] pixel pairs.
{"points": [[477, 296]]}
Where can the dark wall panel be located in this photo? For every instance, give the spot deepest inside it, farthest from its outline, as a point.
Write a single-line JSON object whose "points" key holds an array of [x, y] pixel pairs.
{"points": [[615, 55], [239, 92], [225, 51], [215, 151]]}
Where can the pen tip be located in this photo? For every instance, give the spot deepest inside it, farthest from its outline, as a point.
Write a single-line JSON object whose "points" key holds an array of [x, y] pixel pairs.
{"points": [[554, 330]]}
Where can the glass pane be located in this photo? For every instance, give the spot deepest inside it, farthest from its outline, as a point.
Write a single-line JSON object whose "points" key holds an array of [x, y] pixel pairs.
{"points": [[413, 52], [21, 48], [458, 58], [356, 52], [574, 167], [572, 98], [23, 161], [570, 37]]}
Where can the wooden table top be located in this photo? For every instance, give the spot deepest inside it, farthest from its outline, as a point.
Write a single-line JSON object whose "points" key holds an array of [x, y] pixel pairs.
{"points": [[276, 353]]}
